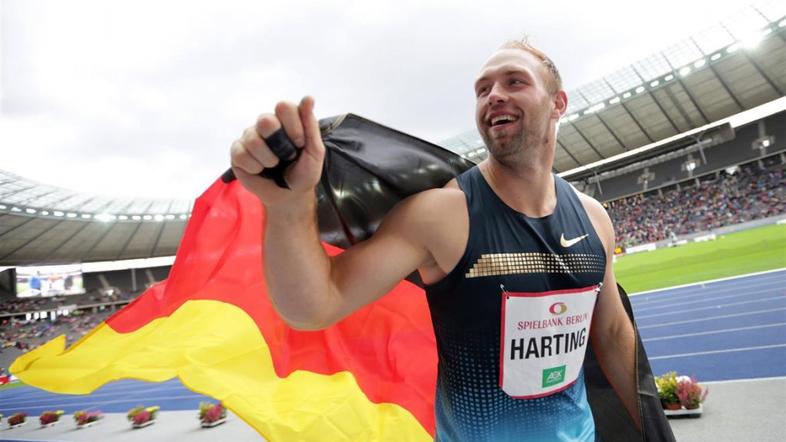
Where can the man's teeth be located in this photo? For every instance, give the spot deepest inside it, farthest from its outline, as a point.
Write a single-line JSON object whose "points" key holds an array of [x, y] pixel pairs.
{"points": [[502, 119]]}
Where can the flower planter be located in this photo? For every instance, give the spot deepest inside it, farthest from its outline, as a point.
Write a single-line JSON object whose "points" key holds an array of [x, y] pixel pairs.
{"points": [[50, 424], [85, 425], [695, 412], [144, 424], [214, 423], [672, 406], [84, 419]]}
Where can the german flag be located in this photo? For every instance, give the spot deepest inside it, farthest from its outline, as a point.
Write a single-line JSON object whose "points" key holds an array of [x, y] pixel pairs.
{"points": [[371, 376]]}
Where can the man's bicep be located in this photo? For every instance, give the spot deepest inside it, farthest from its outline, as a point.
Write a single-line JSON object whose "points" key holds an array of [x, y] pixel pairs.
{"points": [[372, 268], [610, 317]]}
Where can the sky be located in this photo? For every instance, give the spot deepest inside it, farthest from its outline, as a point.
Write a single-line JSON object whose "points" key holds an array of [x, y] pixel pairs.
{"points": [[143, 98]]}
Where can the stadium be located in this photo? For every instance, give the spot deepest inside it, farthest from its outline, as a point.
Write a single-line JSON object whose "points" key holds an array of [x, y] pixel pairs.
{"points": [[685, 148]]}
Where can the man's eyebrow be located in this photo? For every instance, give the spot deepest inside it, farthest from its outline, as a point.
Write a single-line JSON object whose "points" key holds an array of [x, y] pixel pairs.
{"points": [[508, 71]]}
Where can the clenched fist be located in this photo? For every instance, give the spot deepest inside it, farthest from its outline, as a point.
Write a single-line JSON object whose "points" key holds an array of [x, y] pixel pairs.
{"points": [[250, 155]]}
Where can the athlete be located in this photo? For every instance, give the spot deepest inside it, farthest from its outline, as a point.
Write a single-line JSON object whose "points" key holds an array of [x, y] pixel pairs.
{"points": [[516, 262]]}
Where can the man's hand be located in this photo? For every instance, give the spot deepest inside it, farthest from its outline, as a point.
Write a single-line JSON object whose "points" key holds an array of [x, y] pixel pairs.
{"points": [[250, 155]]}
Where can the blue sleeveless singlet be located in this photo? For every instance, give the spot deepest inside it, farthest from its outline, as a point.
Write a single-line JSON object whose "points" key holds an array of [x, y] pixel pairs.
{"points": [[521, 254]]}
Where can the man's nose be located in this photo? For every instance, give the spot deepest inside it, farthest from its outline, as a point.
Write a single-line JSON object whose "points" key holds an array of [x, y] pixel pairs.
{"points": [[497, 94]]}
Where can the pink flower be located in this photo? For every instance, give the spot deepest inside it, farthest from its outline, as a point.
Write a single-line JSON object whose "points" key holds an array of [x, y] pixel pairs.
{"points": [[141, 417]]}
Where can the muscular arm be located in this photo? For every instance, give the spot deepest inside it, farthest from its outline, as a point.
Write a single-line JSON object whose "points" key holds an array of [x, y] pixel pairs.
{"points": [[612, 335], [311, 290]]}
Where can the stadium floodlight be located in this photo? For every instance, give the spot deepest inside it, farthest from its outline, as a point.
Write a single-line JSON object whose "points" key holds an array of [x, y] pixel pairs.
{"points": [[654, 83], [614, 100], [3, 207], [751, 41], [183, 216], [572, 117], [15, 209], [30, 211], [669, 77], [715, 56], [158, 217], [122, 217], [689, 165], [699, 63], [762, 143], [782, 23], [685, 71], [70, 215], [105, 217], [640, 89], [136, 217], [86, 216], [147, 217], [58, 213], [45, 212], [626, 95], [169, 217]]}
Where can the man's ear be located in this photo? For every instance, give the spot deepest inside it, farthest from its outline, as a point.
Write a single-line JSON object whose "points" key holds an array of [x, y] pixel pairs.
{"points": [[560, 104]]}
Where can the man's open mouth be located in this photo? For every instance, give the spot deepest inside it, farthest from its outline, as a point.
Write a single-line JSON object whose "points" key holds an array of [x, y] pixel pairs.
{"points": [[500, 120]]}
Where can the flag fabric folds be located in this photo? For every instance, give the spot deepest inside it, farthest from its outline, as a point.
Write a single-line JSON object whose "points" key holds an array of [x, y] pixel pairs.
{"points": [[372, 376], [369, 377]]}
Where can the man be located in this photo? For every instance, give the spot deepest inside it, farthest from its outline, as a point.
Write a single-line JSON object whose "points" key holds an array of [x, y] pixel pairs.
{"points": [[517, 264]]}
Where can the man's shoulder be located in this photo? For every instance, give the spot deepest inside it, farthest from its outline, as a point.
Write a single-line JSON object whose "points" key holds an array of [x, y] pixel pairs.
{"points": [[591, 205], [433, 202], [424, 213]]}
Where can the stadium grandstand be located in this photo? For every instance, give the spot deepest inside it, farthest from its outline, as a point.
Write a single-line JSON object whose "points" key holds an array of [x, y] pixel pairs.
{"points": [[684, 145]]}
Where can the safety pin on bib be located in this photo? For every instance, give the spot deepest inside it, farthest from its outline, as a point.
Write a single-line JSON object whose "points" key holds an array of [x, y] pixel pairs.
{"points": [[504, 292]]}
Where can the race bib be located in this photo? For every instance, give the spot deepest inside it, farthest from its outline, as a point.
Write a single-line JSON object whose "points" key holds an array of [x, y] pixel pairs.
{"points": [[544, 338]]}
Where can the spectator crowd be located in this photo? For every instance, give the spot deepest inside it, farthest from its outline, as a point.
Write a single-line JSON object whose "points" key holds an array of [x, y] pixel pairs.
{"points": [[750, 193]]}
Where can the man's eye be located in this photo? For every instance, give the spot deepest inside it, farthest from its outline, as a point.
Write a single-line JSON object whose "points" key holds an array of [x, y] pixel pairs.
{"points": [[482, 91], [516, 81]]}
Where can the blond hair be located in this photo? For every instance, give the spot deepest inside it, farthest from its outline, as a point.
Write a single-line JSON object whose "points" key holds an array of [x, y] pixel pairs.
{"points": [[555, 82]]}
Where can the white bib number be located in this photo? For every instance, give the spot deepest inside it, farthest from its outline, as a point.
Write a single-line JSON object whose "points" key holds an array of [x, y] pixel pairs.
{"points": [[544, 338]]}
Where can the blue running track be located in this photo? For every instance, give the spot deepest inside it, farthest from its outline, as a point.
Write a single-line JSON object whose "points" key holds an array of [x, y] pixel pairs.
{"points": [[722, 330]]}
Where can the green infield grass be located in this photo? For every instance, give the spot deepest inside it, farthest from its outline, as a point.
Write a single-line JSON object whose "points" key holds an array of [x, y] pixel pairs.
{"points": [[754, 250]]}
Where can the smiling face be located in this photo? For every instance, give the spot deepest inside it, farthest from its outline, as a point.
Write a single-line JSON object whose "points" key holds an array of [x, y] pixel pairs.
{"points": [[517, 107]]}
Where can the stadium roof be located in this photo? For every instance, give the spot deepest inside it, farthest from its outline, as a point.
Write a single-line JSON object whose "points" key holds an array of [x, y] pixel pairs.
{"points": [[722, 71], [40, 224], [726, 69]]}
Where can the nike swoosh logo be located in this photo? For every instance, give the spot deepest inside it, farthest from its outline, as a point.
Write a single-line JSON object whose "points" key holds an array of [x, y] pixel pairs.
{"points": [[570, 242]]}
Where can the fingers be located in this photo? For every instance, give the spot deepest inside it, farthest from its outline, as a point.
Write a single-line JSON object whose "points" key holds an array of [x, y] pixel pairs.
{"points": [[256, 147], [287, 113], [251, 154], [240, 158]]}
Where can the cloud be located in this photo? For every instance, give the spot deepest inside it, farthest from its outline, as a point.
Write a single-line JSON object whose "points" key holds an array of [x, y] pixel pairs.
{"points": [[155, 92]]}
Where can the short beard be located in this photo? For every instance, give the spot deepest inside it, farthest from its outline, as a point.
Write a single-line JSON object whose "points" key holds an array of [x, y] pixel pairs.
{"points": [[509, 153]]}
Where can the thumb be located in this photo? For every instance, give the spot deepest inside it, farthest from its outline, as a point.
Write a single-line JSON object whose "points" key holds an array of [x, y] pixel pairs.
{"points": [[314, 145]]}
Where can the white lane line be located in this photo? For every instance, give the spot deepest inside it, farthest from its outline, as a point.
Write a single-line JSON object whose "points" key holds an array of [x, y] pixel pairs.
{"points": [[707, 282], [92, 395], [712, 352], [709, 308], [707, 292], [38, 393], [152, 399], [715, 332], [679, 303], [731, 381], [710, 318]]}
